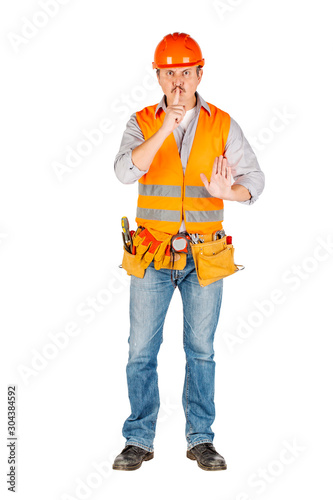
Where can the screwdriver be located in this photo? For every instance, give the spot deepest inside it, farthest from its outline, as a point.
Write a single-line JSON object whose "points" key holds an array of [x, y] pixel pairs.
{"points": [[126, 233]]}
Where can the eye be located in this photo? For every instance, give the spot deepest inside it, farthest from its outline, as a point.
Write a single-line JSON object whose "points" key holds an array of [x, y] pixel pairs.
{"points": [[169, 73], [187, 72]]}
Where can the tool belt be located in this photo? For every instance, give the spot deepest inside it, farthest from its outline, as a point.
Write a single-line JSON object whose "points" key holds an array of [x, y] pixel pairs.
{"points": [[213, 258]]}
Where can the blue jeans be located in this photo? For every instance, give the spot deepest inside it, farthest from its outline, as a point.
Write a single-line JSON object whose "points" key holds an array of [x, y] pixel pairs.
{"points": [[149, 301]]}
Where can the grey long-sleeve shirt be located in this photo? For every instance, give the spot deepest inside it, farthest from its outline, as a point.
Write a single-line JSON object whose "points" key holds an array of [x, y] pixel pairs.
{"points": [[245, 169]]}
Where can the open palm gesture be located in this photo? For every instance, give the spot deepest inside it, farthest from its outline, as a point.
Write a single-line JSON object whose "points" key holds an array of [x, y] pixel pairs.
{"points": [[220, 181]]}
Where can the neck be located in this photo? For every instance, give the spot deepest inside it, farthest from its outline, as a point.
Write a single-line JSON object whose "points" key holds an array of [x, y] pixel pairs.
{"points": [[191, 104]]}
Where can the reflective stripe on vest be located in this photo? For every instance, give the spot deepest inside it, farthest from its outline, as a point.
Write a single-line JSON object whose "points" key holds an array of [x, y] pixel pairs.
{"points": [[158, 215], [166, 195], [159, 190], [204, 216], [197, 192]]}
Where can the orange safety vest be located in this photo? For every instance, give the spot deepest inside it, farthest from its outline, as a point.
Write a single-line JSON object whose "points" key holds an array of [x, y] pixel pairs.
{"points": [[166, 195]]}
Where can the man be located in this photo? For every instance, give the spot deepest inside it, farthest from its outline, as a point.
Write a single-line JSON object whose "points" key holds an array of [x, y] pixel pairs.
{"points": [[183, 152]]}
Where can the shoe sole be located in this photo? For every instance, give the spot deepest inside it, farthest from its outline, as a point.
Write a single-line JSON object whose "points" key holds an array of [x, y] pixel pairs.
{"points": [[205, 467], [146, 458]]}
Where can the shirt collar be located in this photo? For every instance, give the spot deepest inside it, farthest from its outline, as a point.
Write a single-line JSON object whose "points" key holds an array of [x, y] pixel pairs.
{"points": [[201, 103]]}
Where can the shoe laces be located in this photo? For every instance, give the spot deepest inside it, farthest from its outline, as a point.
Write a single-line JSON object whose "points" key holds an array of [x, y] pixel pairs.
{"points": [[206, 448], [131, 448]]}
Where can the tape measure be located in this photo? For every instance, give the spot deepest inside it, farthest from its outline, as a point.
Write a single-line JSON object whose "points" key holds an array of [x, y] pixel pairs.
{"points": [[179, 242]]}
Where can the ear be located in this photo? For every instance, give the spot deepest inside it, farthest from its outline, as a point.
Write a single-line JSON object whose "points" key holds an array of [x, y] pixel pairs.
{"points": [[200, 75], [159, 82]]}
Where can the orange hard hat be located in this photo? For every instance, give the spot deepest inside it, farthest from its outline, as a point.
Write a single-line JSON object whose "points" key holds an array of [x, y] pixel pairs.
{"points": [[177, 49]]}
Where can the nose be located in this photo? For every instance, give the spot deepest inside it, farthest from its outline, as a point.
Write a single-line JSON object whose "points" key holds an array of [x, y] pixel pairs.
{"points": [[177, 81]]}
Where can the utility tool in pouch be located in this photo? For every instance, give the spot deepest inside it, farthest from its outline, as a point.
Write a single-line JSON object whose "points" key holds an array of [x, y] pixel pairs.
{"points": [[132, 265], [127, 238], [214, 260]]}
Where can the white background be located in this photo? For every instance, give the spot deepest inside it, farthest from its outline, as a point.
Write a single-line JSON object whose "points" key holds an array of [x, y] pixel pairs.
{"points": [[60, 246]]}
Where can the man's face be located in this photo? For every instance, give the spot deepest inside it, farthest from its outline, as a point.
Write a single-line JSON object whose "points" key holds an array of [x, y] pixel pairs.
{"points": [[185, 78]]}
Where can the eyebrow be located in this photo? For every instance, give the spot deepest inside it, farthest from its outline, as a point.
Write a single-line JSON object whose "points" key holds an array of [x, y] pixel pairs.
{"points": [[185, 69]]}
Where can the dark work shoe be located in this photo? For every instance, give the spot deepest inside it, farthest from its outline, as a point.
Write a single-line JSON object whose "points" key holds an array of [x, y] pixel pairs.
{"points": [[131, 458], [207, 457]]}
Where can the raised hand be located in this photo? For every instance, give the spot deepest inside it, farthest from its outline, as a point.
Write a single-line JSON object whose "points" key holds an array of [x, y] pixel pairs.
{"points": [[220, 181]]}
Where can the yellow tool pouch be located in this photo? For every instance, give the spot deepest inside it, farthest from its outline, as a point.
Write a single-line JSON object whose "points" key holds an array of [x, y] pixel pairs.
{"points": [[214, 260], [178, 264], [132, 265]]}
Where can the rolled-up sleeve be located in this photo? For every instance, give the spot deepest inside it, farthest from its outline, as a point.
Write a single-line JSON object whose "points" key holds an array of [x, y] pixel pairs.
{"points": [[245, 168], [124, 168]]}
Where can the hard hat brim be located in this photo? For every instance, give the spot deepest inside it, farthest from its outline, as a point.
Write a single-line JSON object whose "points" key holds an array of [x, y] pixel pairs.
{"points": [[201, 62]]}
